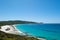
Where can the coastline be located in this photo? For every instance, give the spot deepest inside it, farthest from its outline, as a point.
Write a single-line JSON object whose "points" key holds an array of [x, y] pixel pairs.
{"points": [[18, 32], [10, 29], [29, 35], [21, 33]]}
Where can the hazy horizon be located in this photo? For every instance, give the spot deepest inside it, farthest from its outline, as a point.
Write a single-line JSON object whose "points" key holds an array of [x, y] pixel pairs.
{"points": [[46, 11]]}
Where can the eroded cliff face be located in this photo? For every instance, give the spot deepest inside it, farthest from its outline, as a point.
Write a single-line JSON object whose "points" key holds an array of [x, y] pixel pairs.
{"points": [[6, 36]]}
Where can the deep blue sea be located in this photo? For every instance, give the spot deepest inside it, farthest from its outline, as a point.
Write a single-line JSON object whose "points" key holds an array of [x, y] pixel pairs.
{"points": [[48, 31]]}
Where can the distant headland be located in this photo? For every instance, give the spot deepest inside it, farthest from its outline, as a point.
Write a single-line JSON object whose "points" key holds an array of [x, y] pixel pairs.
{"points": [[11, 22]]}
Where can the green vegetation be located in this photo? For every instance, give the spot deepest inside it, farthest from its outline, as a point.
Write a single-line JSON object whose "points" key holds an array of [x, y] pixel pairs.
{"points": [[6, 36], [15, 22]]}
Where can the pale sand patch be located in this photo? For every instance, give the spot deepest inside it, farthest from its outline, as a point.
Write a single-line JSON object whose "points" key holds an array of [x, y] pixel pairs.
{"points": [[11, 29], [41, 38]]}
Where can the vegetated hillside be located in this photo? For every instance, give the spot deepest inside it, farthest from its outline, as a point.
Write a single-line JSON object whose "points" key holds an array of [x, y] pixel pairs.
{"points": [[15, 22], [5, 36]]}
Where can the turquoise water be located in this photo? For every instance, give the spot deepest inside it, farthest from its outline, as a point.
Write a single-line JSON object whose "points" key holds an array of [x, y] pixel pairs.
{"points": [[48, 31]]}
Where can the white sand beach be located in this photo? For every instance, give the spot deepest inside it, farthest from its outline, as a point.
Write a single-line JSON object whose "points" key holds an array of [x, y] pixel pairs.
{"points": [[41, 38], [11, 29]]}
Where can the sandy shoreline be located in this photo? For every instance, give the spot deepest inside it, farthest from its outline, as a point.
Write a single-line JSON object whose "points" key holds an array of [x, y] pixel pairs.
{"points": [[27, 34], [14, 30], [18, 30], [11, 29]]}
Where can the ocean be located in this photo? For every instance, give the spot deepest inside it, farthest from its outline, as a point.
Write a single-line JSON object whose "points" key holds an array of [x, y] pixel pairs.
{"points": [[47, 31]]}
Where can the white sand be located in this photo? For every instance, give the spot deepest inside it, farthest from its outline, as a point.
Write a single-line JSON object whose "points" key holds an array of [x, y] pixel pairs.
{"points": [[41, 39], [12, 29]]}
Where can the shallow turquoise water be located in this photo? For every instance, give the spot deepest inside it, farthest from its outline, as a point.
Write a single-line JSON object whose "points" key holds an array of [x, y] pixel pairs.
{"points": [[48, 31]]}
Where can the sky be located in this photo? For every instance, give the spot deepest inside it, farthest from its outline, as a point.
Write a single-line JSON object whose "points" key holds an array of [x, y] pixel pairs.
{"points": [[47, 11]]}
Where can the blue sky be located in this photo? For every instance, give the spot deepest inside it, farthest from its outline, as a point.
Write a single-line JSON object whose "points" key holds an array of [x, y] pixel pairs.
{"points": [[47, 11]]}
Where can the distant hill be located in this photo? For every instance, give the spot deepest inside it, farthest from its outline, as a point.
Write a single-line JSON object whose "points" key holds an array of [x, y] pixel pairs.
{"points": [[16, 22]]}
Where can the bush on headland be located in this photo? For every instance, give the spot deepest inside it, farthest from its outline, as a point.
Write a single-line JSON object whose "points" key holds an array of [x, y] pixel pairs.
{"points": [[6, 36], [16, 22]]}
